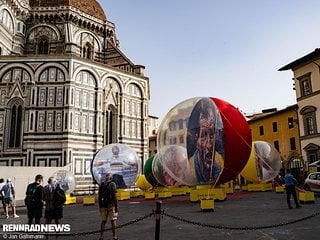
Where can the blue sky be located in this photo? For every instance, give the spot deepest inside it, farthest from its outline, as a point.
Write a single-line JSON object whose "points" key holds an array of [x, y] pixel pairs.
{"points": [[228, 49]]}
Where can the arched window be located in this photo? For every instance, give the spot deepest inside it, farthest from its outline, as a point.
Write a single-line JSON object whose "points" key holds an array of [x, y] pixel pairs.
{"points": [[134, 91], [111, 125], [87, 51], [43, 46], [6, 19], [15, 115], [309, 120], [312, 152]]}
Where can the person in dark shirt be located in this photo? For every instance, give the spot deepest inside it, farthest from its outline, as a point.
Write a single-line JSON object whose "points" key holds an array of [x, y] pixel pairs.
{"points": [[290, 183], [108, 205], [53, 209], [33, 200]]}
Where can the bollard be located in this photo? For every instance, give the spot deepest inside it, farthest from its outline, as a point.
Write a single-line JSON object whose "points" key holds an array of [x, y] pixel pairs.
{"points": [[158, 214]]}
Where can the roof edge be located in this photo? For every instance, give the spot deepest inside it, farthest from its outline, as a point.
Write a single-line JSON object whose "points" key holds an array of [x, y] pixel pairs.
{"points": [[299, 61]]}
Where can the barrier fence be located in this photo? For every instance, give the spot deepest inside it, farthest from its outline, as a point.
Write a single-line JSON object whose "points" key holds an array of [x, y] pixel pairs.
{"points": [[158, 214]]}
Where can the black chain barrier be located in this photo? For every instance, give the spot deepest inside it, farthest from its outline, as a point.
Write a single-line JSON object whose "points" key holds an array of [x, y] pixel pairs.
{"points": [[98, 231], [193, 223], [240, 228], [108, 229]]}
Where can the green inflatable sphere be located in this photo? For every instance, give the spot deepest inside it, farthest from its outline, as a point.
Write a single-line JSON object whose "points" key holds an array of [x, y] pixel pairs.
{"points": [[147, 170]]}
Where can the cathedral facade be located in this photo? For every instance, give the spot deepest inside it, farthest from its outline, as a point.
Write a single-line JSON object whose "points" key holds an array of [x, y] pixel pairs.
{"points": [[66, 88]]}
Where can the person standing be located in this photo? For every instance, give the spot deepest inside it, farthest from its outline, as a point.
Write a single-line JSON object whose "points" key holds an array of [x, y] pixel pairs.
{"points": [[34, 201], [2, 183], [9, 198], [290, 183], [53, 209], [108, 205]]}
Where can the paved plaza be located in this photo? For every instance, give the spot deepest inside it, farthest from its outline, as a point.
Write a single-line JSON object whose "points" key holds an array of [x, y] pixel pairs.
{"points": [[244, 215]]}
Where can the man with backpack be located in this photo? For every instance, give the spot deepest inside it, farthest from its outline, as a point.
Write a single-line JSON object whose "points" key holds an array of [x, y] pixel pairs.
{"points": [[108, 205], [33, 200]]}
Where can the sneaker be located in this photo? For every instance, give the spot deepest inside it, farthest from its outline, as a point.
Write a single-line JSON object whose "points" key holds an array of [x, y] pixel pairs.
{"points": [[15, 216], [299, 206], [7, 216], [290, 207]]}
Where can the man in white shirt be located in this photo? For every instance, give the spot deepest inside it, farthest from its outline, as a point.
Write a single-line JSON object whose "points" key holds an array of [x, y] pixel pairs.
{"points": [[9, 198]]}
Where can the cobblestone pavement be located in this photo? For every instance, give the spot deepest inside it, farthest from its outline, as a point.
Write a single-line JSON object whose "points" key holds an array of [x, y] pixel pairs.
{"points": [[244, 215]]}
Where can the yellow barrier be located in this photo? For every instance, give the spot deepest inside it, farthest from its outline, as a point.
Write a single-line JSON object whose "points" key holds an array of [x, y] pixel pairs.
{"points": [[123, 194], [306, 197], [90, 200], [219, 194], [279, 189], [149, 195], [159, 189], [228, 187], [259, 187], [178, 190], [164, 194], [70, 199], [197, 194], [244, 187], [207, 204], [215, 193], [203, 186], [137, 193]]}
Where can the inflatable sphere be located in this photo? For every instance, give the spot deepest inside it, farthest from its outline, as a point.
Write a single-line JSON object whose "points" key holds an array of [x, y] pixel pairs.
{"points": [[158, 171], [118, 159], [200, 141], [264, 163], [66, 180], [142, 183], [147, 170], [172, 168]]}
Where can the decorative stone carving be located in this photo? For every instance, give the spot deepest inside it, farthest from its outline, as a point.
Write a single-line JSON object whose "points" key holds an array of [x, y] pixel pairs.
{"points": [[23, 3], [42, 31]]}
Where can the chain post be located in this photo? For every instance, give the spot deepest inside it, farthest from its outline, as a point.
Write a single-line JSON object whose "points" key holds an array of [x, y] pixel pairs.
{"points": [[158, 215]]}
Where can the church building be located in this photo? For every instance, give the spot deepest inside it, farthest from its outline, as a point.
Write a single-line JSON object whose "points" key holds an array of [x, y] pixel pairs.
{"points": [[66, 88]]}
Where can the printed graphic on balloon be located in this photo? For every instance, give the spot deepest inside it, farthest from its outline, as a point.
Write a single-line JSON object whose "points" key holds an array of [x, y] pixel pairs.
{"points": [[264, 163], [158, 170], [192, 139], [172, 168], [66, 180], [118, 159]]}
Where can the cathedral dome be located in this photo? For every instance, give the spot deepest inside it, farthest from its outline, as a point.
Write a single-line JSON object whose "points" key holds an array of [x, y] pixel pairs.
{"points": [[91, 7]]}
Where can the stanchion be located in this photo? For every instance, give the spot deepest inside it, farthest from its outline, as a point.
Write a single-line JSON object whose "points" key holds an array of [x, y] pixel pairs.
{"points": [[158, 215]]}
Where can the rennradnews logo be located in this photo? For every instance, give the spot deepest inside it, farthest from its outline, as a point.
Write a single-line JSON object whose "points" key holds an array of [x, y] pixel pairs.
{"points": [[33, 228]]}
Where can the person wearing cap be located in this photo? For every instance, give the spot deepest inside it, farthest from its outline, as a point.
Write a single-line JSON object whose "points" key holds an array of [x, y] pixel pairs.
{"points": [[9, 198], [108, 205]]}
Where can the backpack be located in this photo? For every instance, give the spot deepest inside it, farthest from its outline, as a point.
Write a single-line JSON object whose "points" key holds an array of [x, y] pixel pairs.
{"points": [[59, 197], [106, 195]]}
